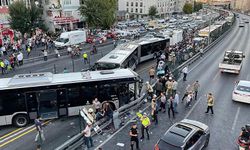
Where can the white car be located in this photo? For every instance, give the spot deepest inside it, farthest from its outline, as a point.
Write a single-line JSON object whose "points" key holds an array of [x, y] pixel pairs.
{"points": [[241, 92]]}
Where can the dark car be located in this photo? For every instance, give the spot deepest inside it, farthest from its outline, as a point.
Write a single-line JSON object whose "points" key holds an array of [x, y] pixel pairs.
{"points": [[185, 135]]}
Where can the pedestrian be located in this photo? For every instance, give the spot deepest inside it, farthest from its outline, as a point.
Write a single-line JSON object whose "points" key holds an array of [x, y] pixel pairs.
{"points": [[65, 70], [145, 123], [186, 93], [201, 52], [210, 103], [185, 72], [163, 102], [134, 137], [2, 65], [170, 104], [108, 111], [28, 51], [169, 86], [154, 110], [69, 50], [20, 58], [189, 99], [151, 73], [85, 57], [57, 53], [45, 55], [196, 87], [175, 85], [176, 101], [97, 105], [114, 43], [40, 135], [149, 90], [87, 135], [92, 114], [158, 87]]}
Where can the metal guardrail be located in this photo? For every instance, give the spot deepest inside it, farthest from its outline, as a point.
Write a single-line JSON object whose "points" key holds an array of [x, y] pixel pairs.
{"points": [[77, 140], [63, 53]]}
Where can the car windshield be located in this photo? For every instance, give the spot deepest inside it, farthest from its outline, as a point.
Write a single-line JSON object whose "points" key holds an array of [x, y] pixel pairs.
{"points": [[63, 40], [166, 146], [243, 88], [106, 66]]}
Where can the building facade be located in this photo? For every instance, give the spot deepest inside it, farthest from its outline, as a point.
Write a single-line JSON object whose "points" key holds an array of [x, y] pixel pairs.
{"points": [[241, 5], [140, 8]]}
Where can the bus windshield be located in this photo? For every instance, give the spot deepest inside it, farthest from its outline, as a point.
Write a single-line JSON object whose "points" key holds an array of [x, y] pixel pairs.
{"points": [[106, 66]]}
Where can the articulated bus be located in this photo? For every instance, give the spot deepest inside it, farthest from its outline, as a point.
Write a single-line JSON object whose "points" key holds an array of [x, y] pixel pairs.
{"points": [[129, 55], [48, 95]]}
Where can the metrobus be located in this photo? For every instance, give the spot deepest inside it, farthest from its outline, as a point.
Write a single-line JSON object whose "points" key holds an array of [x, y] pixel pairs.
{"points": [[129, 55], [48, 95]]}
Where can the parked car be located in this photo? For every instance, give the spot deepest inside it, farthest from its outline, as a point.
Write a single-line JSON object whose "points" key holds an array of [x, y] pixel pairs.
{"points": [[185, 135], [241, 92]]}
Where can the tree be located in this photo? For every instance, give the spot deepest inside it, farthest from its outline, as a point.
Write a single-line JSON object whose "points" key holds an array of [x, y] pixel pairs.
{"points": [[152, 12], [23, 18], [197, 6], [187, 8], [99, 13]]}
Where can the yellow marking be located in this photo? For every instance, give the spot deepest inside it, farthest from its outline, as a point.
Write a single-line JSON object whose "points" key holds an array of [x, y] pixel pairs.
{"points": [[10, 133], [21, 135]]}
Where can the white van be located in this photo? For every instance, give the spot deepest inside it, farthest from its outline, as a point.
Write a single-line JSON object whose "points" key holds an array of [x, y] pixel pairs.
{"points": [[70, 38]]}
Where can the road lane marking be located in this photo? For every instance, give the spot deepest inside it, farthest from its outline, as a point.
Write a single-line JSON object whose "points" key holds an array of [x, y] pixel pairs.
{"points": [[217, 74], [235, 119], [110, 137], [191, 110], [4, 136], [20, 134]]}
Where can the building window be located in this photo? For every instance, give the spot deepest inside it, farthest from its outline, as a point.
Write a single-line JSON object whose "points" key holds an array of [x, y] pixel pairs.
{"points": [[141, 4], [140, 10], [127, 3], [136, 10], [127, 10], [136, 4], [132, 4], [68, 13], [67, 2], [131, 9]]}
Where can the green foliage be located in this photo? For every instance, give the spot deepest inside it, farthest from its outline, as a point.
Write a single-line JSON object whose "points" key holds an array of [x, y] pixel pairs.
{"points": [[152, 12], [197, 6], [99, 13], [23, 18], [187, 8]]}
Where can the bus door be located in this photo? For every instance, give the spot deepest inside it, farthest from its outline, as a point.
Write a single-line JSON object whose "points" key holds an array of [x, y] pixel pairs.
{"points": [[62, 102], [47, 104]]}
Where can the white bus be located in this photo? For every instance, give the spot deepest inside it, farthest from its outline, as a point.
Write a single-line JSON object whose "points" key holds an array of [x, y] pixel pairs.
{"points": [[48, 95], [129, 55]]}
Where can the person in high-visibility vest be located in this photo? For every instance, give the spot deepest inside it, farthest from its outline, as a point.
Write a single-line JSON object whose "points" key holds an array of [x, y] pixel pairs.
{"points": [[145, 123], [85, 57], [28, 51], [2, 65]]}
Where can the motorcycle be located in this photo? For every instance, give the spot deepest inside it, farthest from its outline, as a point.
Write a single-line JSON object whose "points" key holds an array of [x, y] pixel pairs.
{"points": [[244, 142]]}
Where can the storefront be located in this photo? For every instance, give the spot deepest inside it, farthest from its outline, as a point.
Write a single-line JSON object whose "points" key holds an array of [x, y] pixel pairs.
{"points": [[66, 23], [6, 35]]}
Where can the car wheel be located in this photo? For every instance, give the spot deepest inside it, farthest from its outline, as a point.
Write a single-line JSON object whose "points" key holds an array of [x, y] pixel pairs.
{"points": [[207, 141], [20, 120]]}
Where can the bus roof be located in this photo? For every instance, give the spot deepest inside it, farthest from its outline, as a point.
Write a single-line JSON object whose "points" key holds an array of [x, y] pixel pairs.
{"points": [[47, 79], [123, 51], [119, 54]]}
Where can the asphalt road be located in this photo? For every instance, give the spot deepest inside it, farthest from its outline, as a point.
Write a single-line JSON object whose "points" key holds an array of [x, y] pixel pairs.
{"points": [[225, 124], [229, 116]]}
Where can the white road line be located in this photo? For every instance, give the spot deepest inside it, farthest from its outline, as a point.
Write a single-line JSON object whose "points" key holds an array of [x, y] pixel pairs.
{"points": [[216, 75], [109, 138], [235, 119], [13, 135], [191, 110]]}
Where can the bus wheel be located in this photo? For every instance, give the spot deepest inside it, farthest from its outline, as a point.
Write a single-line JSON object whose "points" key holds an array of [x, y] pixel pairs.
{"points": [[20, 120]]}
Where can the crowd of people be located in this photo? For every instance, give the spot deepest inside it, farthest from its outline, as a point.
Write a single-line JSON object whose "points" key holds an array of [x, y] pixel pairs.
{"points": [[12, 54]]}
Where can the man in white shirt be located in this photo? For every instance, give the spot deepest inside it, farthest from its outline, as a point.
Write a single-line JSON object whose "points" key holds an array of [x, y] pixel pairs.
{"points": [[176, 101], [20, 58], [87, 134], [69, 49], [185, 72], [97, 105]]}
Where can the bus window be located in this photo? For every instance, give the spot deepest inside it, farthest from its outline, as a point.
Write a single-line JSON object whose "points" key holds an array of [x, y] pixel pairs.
{"points": [[31, 101], [13, 101], [89, 93], [108, 92], [146, 50], [74, 98]]}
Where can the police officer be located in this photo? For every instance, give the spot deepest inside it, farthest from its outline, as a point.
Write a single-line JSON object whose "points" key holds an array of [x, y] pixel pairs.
{"points": [[85, 57], [145, 123], [134, 136]]}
